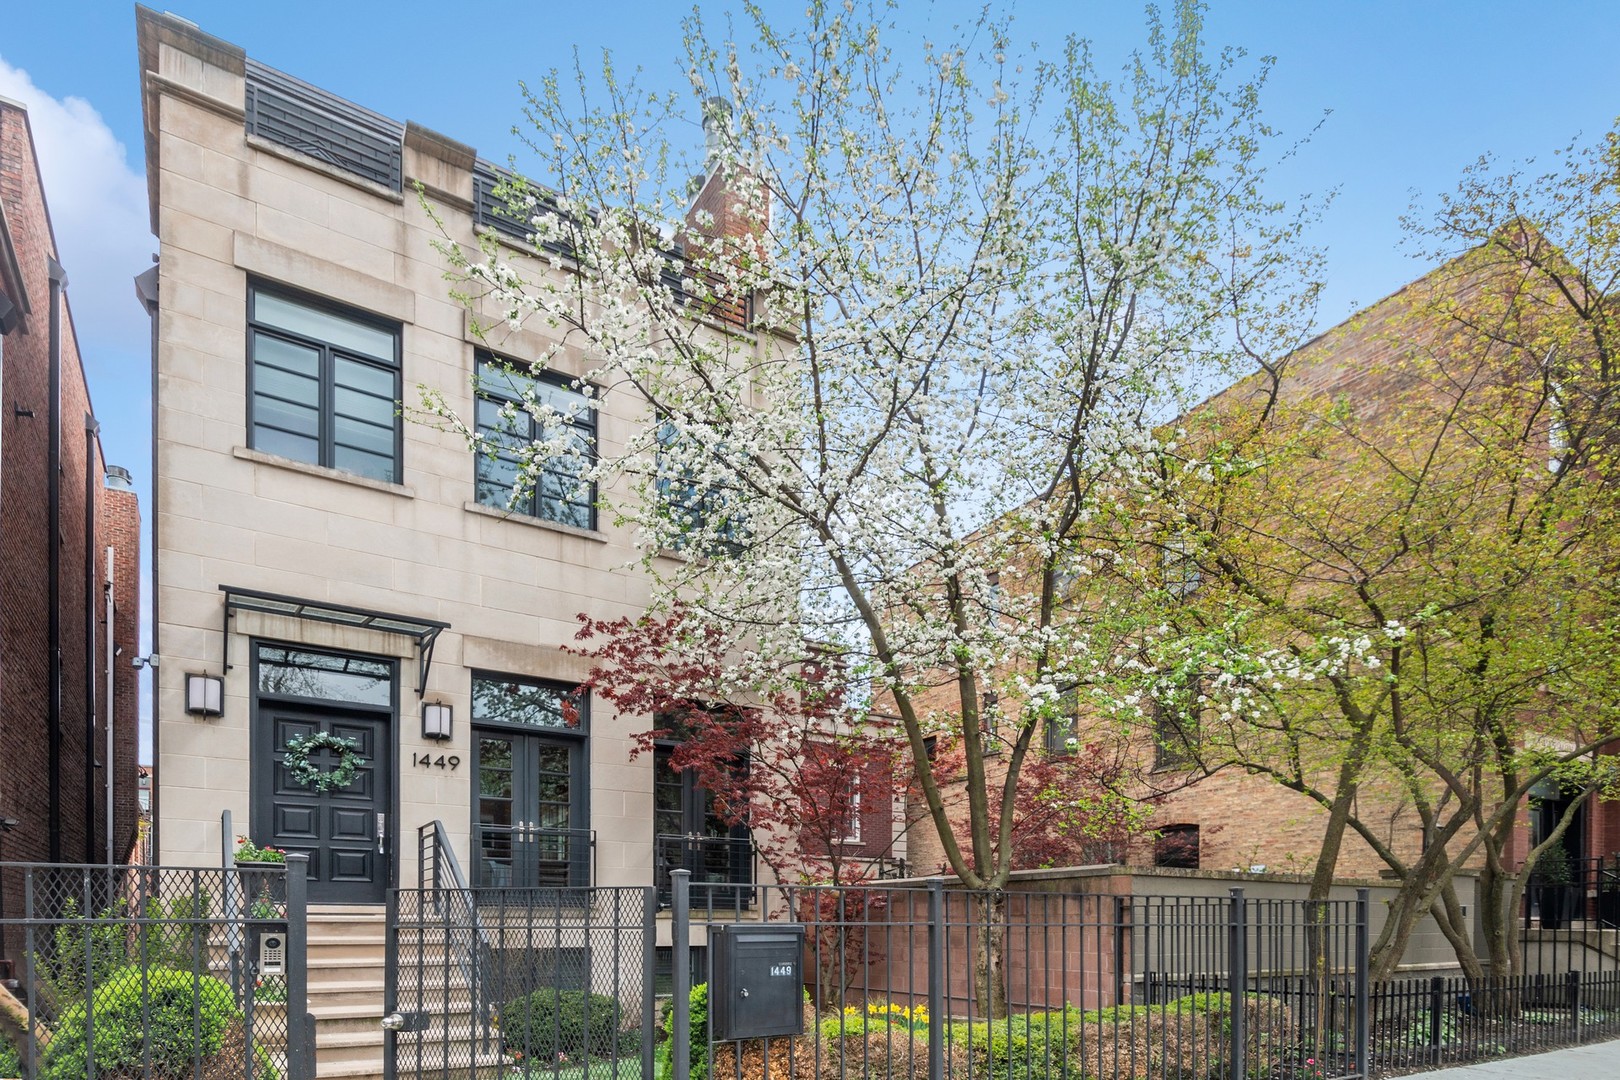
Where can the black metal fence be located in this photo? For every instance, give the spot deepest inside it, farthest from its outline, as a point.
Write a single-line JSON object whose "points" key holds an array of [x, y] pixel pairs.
{"points": [[1573, 892], [1438, 1021], [515, 983], [157, 973], [928, 982], [905, 981]]}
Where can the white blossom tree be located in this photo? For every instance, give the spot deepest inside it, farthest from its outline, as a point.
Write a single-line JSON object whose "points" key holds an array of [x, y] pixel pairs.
{"points": [[972, 286]]}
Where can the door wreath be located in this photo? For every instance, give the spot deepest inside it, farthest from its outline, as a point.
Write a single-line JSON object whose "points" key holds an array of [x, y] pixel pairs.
{"points": [[312, 776]]}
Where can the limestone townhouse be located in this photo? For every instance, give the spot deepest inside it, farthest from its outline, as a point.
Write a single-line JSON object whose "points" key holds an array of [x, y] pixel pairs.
{"points": [[328, 567]]}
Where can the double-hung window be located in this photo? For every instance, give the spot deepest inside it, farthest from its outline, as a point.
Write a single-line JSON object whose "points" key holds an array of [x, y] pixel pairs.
{"points": [[324, 384], [518, 414]]}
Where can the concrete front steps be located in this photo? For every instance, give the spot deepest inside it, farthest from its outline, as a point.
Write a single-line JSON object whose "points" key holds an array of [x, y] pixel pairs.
{"points": [[348, 963]]}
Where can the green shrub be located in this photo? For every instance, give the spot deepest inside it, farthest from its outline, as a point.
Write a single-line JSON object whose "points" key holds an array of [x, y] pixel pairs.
{"points": [[1032, 1046], [1067, 1044], [167, 1015], [844, 1026], [86, 952], [570, 1023], [10, 1059], [697, 1004]]}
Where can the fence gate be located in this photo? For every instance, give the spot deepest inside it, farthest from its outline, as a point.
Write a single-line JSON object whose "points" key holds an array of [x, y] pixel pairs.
{"points": [[518, 983], [147, 972]]}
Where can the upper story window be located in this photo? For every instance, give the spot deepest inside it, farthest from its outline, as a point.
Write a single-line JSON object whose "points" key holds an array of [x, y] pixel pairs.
{"points": [[696, 506], [518, 413], [1063, 729], [323, 384], [1175, 732], [1182, 575]]}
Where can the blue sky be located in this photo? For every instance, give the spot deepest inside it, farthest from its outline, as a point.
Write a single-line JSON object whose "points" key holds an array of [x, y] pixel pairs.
{"points": [[1417, 91]]}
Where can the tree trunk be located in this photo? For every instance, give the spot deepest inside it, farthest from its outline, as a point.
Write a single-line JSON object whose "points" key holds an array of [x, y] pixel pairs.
{"points": [[989, 954]]}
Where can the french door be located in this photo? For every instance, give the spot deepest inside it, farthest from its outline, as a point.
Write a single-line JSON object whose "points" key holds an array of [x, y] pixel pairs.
{"points": [[690, 834], [529, 810]]}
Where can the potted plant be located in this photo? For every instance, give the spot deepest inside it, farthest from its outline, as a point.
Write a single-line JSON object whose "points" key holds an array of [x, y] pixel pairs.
{"points": [[1555, 887], [262, 870], [250, 854]]}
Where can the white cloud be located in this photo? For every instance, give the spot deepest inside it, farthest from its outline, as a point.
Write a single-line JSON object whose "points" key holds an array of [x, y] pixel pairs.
{"points": [[98, 212]]}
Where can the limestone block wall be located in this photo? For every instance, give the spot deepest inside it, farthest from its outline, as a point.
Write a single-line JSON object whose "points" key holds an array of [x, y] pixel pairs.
{"points": [[229, 208]]}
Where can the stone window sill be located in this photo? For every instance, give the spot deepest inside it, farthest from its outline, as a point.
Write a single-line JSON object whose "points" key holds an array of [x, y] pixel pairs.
{"points": [[261, 458], [534, 522]]}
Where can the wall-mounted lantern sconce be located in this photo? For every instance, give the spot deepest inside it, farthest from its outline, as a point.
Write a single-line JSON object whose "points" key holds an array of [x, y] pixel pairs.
{"points": [[436, 720], [205, 695]]}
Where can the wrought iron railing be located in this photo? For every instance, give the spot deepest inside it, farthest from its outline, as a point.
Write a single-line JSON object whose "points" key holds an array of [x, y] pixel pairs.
{"points": [[527, 856], [493, 208], [149, 971], [1579, 893], [446, 893], [722, 869]]}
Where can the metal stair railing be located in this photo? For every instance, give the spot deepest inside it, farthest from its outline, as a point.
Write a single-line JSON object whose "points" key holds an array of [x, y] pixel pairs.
{"points": [[438, 873]]}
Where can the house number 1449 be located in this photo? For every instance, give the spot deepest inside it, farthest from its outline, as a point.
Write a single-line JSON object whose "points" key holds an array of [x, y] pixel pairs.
{"points": [[428, 761]]}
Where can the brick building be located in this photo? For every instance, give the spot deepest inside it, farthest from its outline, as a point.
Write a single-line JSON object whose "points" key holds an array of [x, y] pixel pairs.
{"points": [[59, 763], [1233, 819]]}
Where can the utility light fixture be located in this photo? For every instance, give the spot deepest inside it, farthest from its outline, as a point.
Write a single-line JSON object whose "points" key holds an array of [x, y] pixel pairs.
{"points": [[205, 695], [437, 719]]}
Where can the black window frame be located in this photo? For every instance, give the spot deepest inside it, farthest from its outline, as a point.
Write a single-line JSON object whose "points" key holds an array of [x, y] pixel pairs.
{"points": [[1177, 847], [696, 503], [1059, 730], [575, 736], [696, 811], [533, 498], [1176, 733], [329, 353]]}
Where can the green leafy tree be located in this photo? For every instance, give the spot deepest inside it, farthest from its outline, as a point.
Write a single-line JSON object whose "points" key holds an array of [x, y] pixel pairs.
{"points": [[1404, 541]]}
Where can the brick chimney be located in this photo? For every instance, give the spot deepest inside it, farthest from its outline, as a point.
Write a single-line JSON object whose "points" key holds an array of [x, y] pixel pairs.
{"points": [[718, 210]]}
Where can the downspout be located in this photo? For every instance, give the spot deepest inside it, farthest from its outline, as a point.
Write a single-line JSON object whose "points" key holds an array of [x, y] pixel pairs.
{"points": [[146, 291], [91, 430], [112, 768], [53, 564]]}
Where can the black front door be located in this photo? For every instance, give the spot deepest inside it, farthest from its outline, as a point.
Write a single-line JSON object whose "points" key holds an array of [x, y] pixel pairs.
{"points": [[343, 830]]}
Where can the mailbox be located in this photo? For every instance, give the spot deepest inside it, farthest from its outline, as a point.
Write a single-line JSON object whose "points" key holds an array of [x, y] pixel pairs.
{"points": [[758, 987]]}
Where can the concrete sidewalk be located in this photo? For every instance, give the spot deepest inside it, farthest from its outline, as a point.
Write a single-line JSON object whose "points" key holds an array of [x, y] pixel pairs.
{"points": [[1596, 1061]]}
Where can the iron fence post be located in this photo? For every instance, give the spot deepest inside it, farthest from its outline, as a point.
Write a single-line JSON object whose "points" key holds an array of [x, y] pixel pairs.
{"points": [[1363, 996], [391, 972], [680, 940], [300, 1024], [1574, 995], [1237, 953], [1119, 954], [936, 979], [1437, 990], [649, 1005], [31, 973]]}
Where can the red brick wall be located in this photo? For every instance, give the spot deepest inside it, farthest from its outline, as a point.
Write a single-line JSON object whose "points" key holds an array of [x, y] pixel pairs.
{"points": [[24, 539], [121, 530]]}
